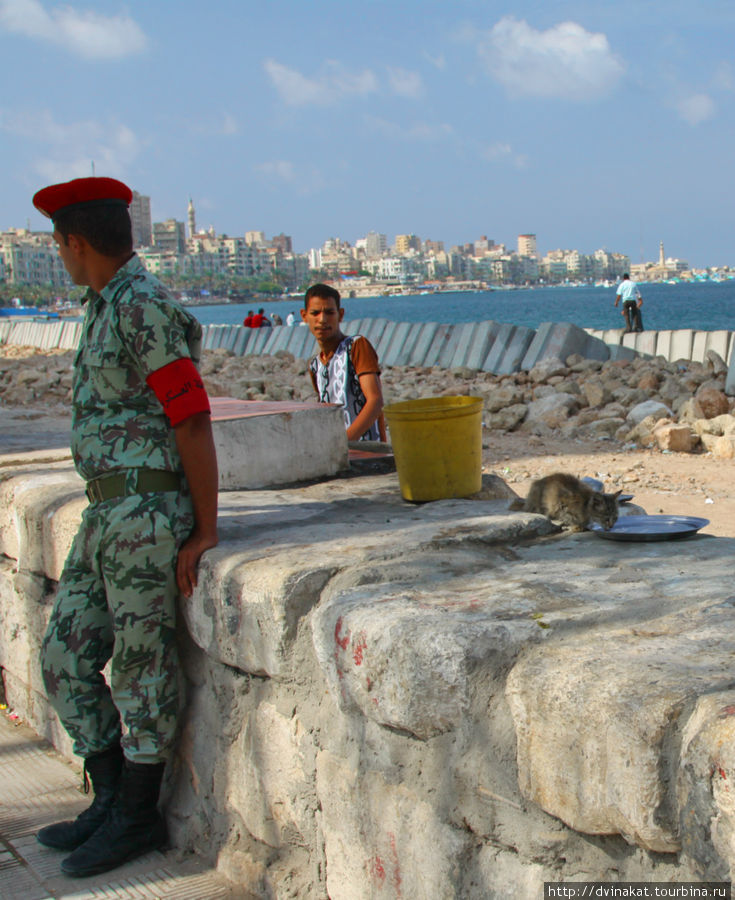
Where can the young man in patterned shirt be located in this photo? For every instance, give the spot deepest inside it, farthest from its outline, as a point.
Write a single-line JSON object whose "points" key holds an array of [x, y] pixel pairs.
{"points": [[346, 369]]}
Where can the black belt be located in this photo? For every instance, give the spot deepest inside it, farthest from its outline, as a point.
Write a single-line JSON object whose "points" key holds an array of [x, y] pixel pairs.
{"points": [[118, 484]]}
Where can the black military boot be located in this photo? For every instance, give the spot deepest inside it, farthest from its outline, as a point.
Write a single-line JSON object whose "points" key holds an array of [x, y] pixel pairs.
{"points": [[133, 825], [104, 769]]}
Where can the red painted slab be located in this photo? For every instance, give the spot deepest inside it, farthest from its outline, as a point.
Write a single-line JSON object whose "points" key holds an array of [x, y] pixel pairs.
{"points": [[229, 408]]}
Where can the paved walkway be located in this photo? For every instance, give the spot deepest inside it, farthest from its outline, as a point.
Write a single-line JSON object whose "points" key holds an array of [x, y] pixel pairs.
{"points": [[37, 787]]}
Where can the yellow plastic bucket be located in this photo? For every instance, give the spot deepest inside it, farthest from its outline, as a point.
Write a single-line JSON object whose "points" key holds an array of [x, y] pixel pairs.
{"points": [[437, 444]]}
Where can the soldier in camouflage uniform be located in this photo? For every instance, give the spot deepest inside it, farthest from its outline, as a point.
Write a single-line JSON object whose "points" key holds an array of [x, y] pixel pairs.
{"points": [[142, 441]]}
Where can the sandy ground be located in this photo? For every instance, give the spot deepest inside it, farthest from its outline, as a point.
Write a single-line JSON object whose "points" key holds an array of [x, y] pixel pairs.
{"points": [[674, 483]]}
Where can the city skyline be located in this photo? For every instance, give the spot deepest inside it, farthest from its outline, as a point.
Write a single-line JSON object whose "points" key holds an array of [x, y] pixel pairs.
{"points": [[592, 126]]}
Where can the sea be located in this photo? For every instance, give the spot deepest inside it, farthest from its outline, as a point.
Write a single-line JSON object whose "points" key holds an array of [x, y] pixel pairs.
{"points": [[702, 306]]}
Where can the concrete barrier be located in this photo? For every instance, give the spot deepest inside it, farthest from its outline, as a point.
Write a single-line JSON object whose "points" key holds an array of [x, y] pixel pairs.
{"points": [[489, 346], [402, 713]]}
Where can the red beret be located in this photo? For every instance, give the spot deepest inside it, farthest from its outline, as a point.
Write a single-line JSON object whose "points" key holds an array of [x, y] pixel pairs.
{"points": [[80, 192]]}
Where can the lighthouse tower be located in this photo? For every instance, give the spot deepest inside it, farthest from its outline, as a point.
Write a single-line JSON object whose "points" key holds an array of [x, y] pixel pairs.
{"points": [[661, 258], [192, 219]]}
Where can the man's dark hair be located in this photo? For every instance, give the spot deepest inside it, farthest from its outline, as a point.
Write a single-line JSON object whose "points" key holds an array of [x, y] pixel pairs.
{"points": [[107, 229], [321, 290], [261, 311], [626, 275]]}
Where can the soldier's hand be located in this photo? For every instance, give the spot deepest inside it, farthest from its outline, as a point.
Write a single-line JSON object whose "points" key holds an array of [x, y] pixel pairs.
{"points": [[188, 560]]}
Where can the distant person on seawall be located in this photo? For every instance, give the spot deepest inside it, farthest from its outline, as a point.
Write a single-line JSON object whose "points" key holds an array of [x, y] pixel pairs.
{"points": [[248, 320], [632, 301]]}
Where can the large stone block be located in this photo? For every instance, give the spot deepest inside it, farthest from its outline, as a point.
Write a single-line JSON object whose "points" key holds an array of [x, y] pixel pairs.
{"points": [[407, 658], [609, 770], [264, 443], [560, 340], [382, 840]]}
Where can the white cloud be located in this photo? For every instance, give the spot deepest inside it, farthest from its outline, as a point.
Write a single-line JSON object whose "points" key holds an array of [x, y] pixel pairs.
{"points": [[695, 108], [303, 182], [405, 83], [439, 62], [418, 131], [278, 168], [502, 152], [331, 85], [724, 79], [85, 33], [565, 61], [70, 149]]}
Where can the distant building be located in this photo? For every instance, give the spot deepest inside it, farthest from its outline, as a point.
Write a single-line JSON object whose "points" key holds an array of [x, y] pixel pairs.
{"points": [[31, 257], [407, 242], [483, 246], [255, 237], [191, 216], [283, 243], [140, 216], [169, 236], [527, 245], [433, 247], [376, 245]]}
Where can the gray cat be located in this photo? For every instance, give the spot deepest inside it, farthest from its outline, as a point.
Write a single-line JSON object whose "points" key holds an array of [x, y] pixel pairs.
{"points": [[569, 501]]}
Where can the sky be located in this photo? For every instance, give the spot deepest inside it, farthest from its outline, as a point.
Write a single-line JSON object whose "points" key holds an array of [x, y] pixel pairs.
{"points": [[591, 124]]}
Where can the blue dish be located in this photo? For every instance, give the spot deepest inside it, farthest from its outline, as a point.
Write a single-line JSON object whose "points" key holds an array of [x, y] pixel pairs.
{"points": [[650, 528]]}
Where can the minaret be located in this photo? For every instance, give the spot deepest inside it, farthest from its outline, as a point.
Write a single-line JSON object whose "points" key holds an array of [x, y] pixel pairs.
{"points": [[192, 219], [661, 258]]}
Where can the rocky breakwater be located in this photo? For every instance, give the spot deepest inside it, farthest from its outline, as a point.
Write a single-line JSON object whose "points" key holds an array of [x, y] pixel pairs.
{"points": [[678, 406]]}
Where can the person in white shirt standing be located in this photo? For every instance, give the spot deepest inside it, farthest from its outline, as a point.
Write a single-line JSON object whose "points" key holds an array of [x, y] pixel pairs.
{"points": [[632, 301]]}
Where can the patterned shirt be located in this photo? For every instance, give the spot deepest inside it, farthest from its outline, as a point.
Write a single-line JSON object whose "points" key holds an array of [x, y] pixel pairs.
{"points": [[131, 329], [337, 379]]}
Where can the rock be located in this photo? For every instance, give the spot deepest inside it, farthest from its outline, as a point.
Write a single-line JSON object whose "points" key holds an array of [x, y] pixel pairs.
{"points": [[724, 447], [648, 382], [604, 427], [552, 411], [715, 362], [712, 402], [678, 438], [546, 368], [507, 419], [648, 408], [596, 392]]}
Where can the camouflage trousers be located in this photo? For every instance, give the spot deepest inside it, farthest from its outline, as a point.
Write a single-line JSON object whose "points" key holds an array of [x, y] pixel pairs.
{"points": [[116, 602]]}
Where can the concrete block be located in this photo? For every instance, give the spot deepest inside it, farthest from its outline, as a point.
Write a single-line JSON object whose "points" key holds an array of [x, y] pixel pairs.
{"points": [[663, 343], [613, 774], [302, 343], [258, 341], [705, 778], [510, 348], [270, 782], [560, 340], [278, 340], [465, 337], [618, 351], [260, 443], [382, 840], [424, 340], [407, 660], [241, 340], [372, 329], [720, 342], [681, 344], [443, 335], [699, 346], [401, 343], [482, 339], [450, 345]]}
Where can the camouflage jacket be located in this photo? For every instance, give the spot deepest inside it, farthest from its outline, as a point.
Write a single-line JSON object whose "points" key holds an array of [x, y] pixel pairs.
{"points": [[131, 329]]}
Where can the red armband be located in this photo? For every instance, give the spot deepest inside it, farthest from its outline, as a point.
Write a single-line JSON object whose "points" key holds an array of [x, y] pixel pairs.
{"points": [[180, 390]]}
